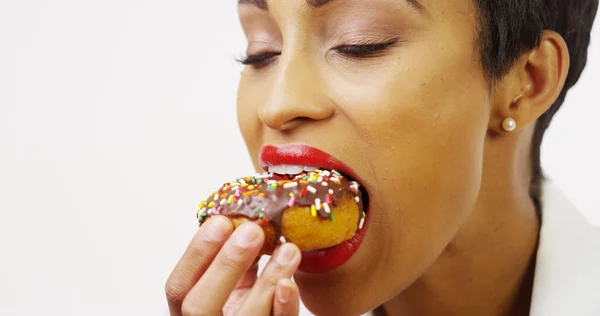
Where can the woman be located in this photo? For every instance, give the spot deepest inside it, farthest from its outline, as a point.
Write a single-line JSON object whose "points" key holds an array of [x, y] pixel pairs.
{"points": [[440, 108]]}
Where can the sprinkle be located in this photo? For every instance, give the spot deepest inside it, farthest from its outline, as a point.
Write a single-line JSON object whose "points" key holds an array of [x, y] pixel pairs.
{"points": [[261, 216], [361, 223], [257, 210], [250, 193], [324, 183], [272, 188], [250, 187], [311, 189], [265, 220], [357, 199], [336, 172], [326, 173], [202, 211], [313, 210], [259, 180], [290, 185], [303, 192], [235, 199], [356, 184], [318, 204], [242, 181], [216, 196], [304, 182], [331, 217], [282, 240], [211, 204], [223, 195], [271, 182], [329, 199], [261, 194], [239, 202], [320, 179], [326, 207], [237, 193], [230, 199], [292, 201], [223, 201]]}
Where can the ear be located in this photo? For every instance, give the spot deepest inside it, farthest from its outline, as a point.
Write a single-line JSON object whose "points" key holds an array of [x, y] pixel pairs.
{"points": [[532, 85]]}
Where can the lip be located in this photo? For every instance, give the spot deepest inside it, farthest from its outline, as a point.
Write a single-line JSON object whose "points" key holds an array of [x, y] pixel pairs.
{"points": [[325, 260]]}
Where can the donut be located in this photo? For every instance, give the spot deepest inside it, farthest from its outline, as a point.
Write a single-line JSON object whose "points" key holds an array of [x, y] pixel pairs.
{"points": [[314, 210]]}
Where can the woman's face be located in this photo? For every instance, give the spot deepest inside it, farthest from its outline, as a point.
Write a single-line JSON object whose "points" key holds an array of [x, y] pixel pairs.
{"points": [[395, 90]]}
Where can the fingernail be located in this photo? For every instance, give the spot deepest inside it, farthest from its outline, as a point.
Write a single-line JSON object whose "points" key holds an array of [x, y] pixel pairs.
{"points": [[283, 293], [217, 229], [285, 254], [246, 235]]}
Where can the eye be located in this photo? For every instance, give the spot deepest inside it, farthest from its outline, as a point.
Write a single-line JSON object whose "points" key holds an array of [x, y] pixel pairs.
{"points": [[259, 60], [365, 50]]}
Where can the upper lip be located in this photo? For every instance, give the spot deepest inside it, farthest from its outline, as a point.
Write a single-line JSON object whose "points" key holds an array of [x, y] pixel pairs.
{"points": [[296, 154]]}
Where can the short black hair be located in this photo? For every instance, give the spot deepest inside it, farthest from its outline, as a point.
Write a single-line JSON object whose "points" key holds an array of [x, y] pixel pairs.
{"points": [[510, 28]]}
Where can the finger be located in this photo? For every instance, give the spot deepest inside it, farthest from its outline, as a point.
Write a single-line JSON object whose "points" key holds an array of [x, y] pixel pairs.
{"points": [[282, 265], [209, 294], [241, 291], [287, 299], [201, 251]]}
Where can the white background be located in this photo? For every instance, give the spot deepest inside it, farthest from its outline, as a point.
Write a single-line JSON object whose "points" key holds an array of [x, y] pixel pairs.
{"points": [[113, 116]]}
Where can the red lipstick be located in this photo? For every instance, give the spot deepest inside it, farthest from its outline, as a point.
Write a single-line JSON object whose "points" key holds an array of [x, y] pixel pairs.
{"points": [[324, 260]]}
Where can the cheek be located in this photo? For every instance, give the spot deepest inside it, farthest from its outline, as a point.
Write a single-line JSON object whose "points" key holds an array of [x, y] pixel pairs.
{"points": [[247, 117], [425, 129]]}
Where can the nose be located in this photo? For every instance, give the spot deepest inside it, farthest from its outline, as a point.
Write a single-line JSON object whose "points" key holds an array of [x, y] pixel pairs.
{"points": [[296, 96]]}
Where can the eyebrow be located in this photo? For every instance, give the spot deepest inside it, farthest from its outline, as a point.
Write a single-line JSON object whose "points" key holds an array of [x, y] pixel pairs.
{"points": [[317, 3]]}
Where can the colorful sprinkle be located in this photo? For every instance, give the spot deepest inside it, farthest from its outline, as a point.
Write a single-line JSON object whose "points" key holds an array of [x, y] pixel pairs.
{"points": [[292, 201], [290, 185], [336, 172], [303, 192], [313, 210], [357, 199], [318, 204], [324, 184], [250, 193], [230, 199], [282, 240], [326, 207], [361, 223], [329, 199], [311, 189], [331, 217]]}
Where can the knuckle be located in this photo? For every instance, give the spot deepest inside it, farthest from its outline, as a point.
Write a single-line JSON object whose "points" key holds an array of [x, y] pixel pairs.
{"points": [[189, 309], [174, 291], [231, 260]]}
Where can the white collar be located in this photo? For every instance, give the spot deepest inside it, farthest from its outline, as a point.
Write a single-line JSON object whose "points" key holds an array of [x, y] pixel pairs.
{"points": [[567, 271]]}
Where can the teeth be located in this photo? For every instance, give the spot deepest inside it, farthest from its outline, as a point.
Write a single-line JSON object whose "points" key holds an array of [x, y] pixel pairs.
{"points": [[290, 169]]}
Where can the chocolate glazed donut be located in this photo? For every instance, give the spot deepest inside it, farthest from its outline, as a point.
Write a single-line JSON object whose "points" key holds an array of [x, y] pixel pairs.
{"points": [[315, 210]]}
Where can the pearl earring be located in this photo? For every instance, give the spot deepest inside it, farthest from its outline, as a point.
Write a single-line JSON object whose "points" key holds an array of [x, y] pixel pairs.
{"points": [[509, 124]]}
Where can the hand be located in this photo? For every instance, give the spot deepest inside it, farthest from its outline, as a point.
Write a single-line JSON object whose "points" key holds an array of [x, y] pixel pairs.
{"points": [[217, 274]]}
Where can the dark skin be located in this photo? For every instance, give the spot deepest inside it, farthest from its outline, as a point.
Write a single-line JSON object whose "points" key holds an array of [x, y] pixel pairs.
{"points": [[453, 230]]}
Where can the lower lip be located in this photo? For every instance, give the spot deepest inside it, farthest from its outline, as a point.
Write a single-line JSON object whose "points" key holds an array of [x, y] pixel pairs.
{"points": [[322, 261]]}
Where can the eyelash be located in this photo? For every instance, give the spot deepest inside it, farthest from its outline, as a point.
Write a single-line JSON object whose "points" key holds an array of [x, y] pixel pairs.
{"points": [[363, 50]]}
